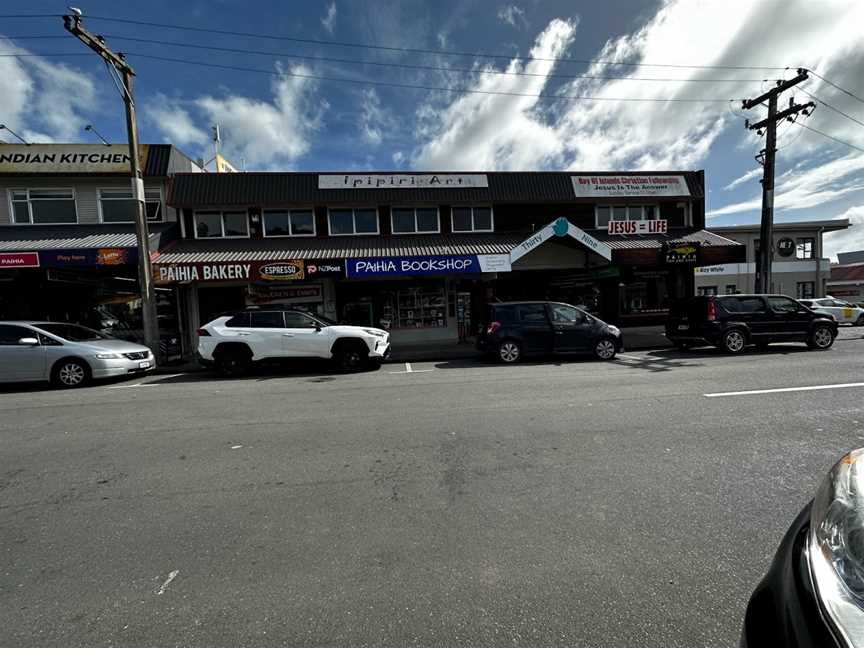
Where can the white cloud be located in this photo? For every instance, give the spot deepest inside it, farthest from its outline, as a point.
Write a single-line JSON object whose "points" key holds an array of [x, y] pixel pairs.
{"points": [[512, 15], [174, 121], [847, 240], [42, 100], [328, 21], [398, 158], [373, 119], [747, 177]]}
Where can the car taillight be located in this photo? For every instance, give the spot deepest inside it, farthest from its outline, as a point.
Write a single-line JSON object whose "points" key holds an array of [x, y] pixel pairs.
{"points": [[493, 326], [712, 310], [203, 332]]}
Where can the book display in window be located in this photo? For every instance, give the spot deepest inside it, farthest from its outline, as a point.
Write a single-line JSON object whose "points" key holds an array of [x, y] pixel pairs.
{"points": [[417, 308]]}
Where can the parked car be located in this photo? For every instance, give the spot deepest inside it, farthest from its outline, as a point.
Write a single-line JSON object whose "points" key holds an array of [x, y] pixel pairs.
{"points": [[731, 322], [517, 329], [842, 311], [813, 593], [232, 343], [68, 355]]}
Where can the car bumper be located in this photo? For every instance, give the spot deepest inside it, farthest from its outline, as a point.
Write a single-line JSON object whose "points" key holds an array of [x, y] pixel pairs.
{"points": [[381, 349], [121, 367]]}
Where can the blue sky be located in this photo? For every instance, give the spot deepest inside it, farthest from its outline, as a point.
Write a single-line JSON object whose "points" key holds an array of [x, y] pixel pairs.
{"points": [[284, 119]]}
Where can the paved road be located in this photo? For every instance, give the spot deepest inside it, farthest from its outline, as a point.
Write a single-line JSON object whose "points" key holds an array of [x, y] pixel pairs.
{"points": [[563, 503]]}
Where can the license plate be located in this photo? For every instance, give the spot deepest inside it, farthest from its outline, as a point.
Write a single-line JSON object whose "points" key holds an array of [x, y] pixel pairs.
{"points": [[682, 327], [143, 365]]}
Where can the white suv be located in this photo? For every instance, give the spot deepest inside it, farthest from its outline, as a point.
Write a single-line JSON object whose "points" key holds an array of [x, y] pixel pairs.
{"points": [[232, 343], [842, 311]]}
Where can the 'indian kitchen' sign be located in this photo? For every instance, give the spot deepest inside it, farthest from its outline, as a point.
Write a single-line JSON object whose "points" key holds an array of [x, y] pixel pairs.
{"points": [[67, 158], [403, 181], [629, 186]]}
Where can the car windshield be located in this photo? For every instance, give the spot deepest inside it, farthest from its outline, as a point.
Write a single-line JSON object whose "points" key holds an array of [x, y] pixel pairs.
{"points": [[73, 332]]}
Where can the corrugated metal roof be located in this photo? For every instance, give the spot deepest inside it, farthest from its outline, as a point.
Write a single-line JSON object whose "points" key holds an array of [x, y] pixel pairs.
{"points": [[274, 189], [337, 247], [656, 241], [158, 158], [24, 238]]}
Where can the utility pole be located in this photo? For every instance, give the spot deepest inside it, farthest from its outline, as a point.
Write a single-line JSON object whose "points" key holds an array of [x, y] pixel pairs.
{"points": [[767, 155], [72, 23]]}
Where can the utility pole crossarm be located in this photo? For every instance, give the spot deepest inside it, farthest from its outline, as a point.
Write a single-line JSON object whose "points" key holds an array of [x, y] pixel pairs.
{"points": [[783, 114], [780, 87], [96, 43]]}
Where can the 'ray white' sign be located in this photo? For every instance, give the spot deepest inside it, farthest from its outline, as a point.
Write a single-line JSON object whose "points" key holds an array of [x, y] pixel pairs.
{"points": [[629, 186], [403, 181]]}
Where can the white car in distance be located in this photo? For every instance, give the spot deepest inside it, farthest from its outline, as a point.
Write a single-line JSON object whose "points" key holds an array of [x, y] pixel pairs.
{"points": [[842, 311], [232, 343]]}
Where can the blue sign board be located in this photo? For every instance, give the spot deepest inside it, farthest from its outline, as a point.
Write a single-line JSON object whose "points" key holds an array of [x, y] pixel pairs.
{"points": [[411, 266]]}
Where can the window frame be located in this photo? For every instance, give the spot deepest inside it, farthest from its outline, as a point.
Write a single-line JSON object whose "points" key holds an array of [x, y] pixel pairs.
{"points": [[414, 209], [377, 231], [703, 291], [291, 234], [799, 288], [805, 240], [628, 207], [473, 229], [11, 190], [221, 213], [99, 200]]}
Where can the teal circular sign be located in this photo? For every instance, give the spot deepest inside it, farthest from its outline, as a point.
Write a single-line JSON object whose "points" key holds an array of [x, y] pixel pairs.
{"points": [[561, 227]]}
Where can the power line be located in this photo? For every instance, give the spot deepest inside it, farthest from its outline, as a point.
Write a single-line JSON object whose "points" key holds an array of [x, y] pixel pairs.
{"points": [[834, 85], [830, 107], [318, 77], [31, 16], [831, 137], [44, 54], [414, 50]]}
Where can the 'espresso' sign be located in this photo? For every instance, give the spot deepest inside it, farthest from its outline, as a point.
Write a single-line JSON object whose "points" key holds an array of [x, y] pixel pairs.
{"points": [[282, 271], [67, 158], [403, 181]]}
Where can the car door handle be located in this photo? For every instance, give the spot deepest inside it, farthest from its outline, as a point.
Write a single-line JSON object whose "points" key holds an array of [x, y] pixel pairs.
{"points": [[242, 334], [287, 335]]}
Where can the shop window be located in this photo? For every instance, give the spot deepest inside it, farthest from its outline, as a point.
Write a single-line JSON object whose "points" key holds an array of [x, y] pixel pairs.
{"points": [[221, 224], [348, 222], [289, 222], [805, 290], [416, 308], [411, 220], [472, 219], [118, 205], [804, 248], [731, 289], [43, 206], [605, 213], [706, 291]]}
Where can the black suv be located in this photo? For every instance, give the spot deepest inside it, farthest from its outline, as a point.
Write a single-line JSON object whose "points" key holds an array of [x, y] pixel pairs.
{"points": [[731, 322], [516, 329]]}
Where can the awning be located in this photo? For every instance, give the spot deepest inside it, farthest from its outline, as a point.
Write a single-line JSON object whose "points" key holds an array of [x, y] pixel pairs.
{"points": [[353, 247]]}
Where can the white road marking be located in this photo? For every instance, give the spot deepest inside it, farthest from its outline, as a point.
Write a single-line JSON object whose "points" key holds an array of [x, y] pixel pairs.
{"points": [[168, 580], [235, 447], [131, 386], [784, 389], [628, 357], [409, 369]]}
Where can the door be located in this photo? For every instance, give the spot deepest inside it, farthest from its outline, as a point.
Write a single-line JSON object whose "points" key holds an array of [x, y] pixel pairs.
{"points": [[831, 307], [265, 334], [572, 330], [303, 337], [20, 362], [752, 312], [792, 320], [533, 324], [847, 314]]}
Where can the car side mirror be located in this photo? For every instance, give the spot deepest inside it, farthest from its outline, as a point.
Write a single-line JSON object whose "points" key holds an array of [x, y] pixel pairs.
{"points": [[28, 341], [317, 328]]}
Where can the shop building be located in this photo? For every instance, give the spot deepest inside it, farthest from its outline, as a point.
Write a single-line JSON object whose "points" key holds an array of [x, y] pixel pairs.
{"points": [[68, 248], [798, 268], [847, 278], [421, 253]]}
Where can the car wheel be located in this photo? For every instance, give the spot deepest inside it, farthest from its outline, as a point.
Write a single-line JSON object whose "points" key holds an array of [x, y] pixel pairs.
{"points": [[822, 337], [733, 341], [860, 321], [69, 374], [605, 349], [509, 351], [350, 358], [233, 362]]}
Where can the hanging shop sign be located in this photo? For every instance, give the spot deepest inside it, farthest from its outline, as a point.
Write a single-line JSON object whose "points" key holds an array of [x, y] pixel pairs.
{"points": [[19, 260], [89, 257], [285, 294], [681, 254], [623, 228], [629, 186], [426, 265], [281, 271], [403, 181], [67, 158], [785, 247], [560, 227]]}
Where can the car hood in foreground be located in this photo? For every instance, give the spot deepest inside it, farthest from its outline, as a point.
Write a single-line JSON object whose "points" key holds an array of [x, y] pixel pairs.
{"points": [[110, 346]]}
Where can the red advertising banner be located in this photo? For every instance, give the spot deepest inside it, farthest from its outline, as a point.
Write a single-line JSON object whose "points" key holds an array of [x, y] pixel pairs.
{"points": [[19, 259]]}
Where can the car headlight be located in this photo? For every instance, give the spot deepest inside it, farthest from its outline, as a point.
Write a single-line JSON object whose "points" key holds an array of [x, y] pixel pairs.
{"points": [[375, 333], [836, 548], [108, 356], [614, 330]]}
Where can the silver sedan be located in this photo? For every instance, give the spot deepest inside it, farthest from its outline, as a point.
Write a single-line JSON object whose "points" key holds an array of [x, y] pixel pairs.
{"points": [[68, 355]]}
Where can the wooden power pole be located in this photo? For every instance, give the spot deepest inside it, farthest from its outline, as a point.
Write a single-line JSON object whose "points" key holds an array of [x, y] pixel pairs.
{"points": [[72, 23], [766, 231]]}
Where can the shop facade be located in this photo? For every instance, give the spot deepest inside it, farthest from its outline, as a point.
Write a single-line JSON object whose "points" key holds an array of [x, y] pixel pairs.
{"points": [[68, 248], [798, 267], [420, 254]]}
